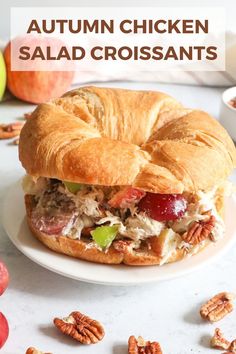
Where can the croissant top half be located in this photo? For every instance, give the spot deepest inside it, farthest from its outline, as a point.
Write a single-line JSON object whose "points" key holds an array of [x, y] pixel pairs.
{"points": [[112, 137]]}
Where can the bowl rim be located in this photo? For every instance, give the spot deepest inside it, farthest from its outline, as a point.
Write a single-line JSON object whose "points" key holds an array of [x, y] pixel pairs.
{"points": [[225, 94]]}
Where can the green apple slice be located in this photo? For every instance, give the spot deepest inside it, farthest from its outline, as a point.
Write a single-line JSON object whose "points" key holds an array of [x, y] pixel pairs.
{"points": [[104, 235], [72, 186], [3, 76]]}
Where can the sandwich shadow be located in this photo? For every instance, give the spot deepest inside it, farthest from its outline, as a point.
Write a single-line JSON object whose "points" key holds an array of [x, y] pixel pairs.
{"points": [[119, 348], [205, 341], [52, 332], [193, 316]]}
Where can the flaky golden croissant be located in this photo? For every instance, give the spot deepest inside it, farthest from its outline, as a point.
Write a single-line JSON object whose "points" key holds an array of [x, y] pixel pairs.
{"points": [[116, 138]]}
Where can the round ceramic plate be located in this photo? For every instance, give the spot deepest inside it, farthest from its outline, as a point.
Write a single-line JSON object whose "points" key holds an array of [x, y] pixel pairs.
{"points": [[15, 224]]}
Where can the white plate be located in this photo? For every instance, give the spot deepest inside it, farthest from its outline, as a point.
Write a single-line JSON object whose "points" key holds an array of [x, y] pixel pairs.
{"points": [[15, 225]]}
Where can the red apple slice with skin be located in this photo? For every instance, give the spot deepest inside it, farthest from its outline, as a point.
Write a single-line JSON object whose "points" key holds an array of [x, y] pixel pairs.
{"points": [[125, 197]]}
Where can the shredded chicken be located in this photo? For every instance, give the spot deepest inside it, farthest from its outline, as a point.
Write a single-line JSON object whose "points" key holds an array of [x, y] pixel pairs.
{"points": [[90, 207]]}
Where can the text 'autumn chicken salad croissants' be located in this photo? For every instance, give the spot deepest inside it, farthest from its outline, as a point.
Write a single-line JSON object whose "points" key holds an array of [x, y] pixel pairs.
{"points": [[119, 176]]}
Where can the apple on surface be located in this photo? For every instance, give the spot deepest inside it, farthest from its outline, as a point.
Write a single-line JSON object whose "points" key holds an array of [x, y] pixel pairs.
{"points": [[36, 86], [4, 277], [4, 330], [3, 76]]}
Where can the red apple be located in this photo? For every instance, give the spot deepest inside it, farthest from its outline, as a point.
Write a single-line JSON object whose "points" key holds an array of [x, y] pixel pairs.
{"points": [[4, 277], [4, 329], [36, 86]]}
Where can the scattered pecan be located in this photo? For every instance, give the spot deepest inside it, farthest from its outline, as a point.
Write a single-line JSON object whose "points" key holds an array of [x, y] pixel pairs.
{"points": [[8, 131], [199, 231], [232, 347], [218, 341], [232, 102], [13, 126], [217, 307], [81, 328], [32, 350], [140, 346], [27, 115]]}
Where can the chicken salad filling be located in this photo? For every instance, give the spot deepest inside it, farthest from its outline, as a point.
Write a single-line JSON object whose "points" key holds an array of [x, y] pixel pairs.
{"points": [[104, 214]]}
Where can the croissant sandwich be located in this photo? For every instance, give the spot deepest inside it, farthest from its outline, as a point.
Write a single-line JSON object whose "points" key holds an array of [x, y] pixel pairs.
{"points": [[119, 176]]}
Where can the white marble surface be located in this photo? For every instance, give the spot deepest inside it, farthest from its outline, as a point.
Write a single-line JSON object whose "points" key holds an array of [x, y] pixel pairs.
{"points": [[167, 312]]}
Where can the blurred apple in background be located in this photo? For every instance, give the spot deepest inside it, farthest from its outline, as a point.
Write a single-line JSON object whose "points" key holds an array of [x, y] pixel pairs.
{"points": [[37, 86], [4, 329], [4, 277], [3, 76], [4, 280]]}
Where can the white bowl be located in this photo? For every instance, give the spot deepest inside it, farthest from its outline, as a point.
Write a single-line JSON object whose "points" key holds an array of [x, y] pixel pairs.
{"points": [[228, 113]]}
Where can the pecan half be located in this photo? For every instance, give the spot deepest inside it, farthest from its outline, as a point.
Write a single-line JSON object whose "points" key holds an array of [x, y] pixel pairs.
{"points": [[232, 347], [32, 350], [199, 231], [80, 327], [217, 307], [27, 115], [218, 341], [8, 131], [140, 346]]}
